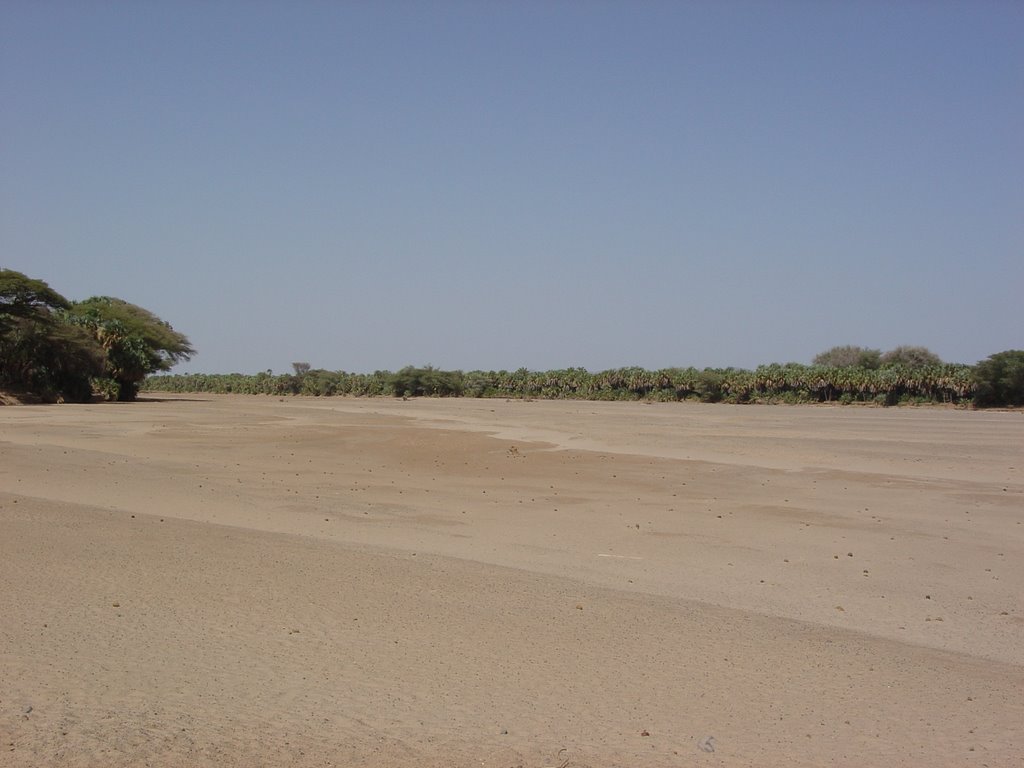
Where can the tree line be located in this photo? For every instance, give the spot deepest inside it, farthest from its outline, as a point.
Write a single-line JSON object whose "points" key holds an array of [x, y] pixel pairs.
{"points": [[55, 349], [907, 376]]}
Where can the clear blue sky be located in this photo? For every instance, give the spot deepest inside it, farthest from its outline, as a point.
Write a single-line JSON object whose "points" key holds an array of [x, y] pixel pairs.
{"points": [[543, 184]]}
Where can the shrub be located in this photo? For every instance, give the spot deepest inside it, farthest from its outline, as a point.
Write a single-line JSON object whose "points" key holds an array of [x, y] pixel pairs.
{"points": [[709, 385]]}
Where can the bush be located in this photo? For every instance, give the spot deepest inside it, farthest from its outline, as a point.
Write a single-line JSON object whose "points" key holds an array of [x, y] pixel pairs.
{"points": [[709, 385], [999, 380]]}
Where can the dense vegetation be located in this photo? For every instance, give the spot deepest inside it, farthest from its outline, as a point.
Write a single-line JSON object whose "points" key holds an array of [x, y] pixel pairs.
{"points": [[56, 349], [999, 380], [791, 383], [903, 375]]}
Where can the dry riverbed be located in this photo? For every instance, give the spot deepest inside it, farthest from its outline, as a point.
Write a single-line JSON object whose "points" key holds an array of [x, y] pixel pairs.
{"points": [[228, 580]]}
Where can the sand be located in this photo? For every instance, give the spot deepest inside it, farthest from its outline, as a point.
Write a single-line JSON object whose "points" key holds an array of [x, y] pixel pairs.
{"points": [[245, 581]]}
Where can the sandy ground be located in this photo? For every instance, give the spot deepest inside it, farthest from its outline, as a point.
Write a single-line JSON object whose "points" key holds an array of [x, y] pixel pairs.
{"points": [[245, 581]]}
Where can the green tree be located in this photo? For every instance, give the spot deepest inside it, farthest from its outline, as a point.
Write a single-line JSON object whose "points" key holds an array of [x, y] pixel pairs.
{"points": [[849, 357], [137, 342], [39, 353], [24, 297], [999, 379], [427, 381], [910, 357]]}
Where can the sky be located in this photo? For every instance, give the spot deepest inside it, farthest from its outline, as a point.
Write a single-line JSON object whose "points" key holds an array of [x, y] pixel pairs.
{"points": [[496, 185]]}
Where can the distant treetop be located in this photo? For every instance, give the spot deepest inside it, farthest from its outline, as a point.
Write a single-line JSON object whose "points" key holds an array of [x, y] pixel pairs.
{"points": [[910, 357], [863, 357], [849, 357]]}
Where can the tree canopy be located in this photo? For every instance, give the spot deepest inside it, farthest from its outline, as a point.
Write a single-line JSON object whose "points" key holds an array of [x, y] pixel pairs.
{"points": [[39, 353], [910, 357], [55, 348], [1000, 379], [849, 357], [22, 296], [137, 342], [863, 357]]}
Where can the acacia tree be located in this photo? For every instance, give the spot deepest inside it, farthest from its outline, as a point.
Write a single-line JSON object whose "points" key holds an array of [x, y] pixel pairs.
{"points": [[427, 381], [39, 353], [137, 342], [910, 357], [849, 357], [1000, 379], [22, 296]]}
